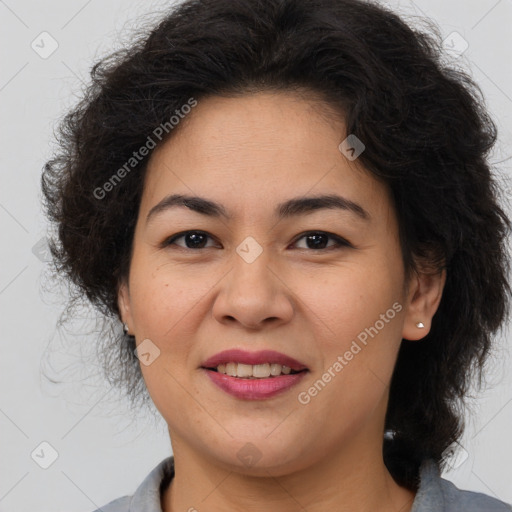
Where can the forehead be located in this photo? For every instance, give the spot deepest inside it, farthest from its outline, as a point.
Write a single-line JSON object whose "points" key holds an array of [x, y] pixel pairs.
{"points": [[256, 150]]}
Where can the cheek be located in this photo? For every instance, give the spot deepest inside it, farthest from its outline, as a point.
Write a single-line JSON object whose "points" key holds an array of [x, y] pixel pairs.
{"points": [[357, 317], [154, 300], [346, 300], [166, 300]]}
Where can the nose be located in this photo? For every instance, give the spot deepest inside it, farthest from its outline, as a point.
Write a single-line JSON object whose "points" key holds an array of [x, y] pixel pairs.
{"points": [[253, 294]]}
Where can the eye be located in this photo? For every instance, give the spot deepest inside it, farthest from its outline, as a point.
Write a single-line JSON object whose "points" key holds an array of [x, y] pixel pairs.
{"points": [[318, 239], [193, 239]]}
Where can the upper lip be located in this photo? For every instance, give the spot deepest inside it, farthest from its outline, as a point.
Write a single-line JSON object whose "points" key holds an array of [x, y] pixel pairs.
{"points": [[260, 357]]}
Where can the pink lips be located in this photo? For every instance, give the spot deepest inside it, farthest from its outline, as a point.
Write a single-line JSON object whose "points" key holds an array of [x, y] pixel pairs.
{"points": [[253, 389]]}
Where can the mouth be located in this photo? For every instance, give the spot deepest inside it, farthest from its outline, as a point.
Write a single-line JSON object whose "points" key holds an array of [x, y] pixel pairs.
{"points": [[259, 371], [261, 364], [254, 375]]}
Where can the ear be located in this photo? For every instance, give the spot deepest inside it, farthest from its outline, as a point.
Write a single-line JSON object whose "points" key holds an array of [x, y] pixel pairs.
{"points": [[424, 295], [123, 303]]}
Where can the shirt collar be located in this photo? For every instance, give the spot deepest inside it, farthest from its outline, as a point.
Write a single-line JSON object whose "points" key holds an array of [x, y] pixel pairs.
{"points": [[429, 495], [147, 496]]}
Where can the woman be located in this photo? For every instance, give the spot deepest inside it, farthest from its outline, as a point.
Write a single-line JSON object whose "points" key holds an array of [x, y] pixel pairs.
{"points": [[287, 204]]}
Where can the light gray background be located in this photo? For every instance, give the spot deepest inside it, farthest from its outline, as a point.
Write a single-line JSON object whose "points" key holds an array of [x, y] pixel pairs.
{"points": [[101, 453]]}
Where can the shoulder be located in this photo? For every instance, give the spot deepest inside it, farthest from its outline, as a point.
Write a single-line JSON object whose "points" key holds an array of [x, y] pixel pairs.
{"points": [[469, 501], [117, 505], [146, 498], [437, 494]]}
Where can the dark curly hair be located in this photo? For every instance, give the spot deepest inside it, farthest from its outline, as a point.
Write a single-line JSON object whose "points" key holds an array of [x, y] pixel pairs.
{"points": [[427, 135]]}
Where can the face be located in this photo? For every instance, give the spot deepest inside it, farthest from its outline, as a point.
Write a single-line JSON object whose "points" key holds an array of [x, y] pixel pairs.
{"points": [[322, 285]]}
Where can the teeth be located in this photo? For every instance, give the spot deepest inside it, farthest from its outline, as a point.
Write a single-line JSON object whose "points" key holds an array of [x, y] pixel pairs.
{"points": [[256, 371], [275, 369], [244, 370], [259, 370], [230, 369]]}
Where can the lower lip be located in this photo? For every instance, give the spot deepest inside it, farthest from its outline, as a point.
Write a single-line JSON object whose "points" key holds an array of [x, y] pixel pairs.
{"points": [[254, 389]]}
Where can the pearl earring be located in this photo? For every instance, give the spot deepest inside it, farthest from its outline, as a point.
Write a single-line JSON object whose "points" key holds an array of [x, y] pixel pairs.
{"points": [[125, 328], [420, 325]]}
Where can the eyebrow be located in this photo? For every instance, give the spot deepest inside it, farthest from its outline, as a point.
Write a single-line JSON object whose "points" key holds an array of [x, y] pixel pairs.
{"points": [[292, 207]]}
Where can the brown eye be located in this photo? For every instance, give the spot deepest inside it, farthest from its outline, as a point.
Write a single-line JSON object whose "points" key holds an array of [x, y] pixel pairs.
{"points": [[192, 240], [318, 240]]}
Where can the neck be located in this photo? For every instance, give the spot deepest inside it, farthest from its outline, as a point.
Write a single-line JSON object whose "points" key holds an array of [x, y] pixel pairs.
{"points": [[354, 479]]}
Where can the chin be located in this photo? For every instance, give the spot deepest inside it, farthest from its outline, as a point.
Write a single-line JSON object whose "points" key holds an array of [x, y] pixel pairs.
{"points": [[258, 457]]}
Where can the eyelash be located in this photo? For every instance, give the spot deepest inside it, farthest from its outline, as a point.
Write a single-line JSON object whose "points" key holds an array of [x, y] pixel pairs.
{"points": [[340, 242]]}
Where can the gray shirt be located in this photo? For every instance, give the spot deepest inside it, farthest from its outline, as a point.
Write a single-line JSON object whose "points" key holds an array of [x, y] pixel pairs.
{"points": [[435, 494]]}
